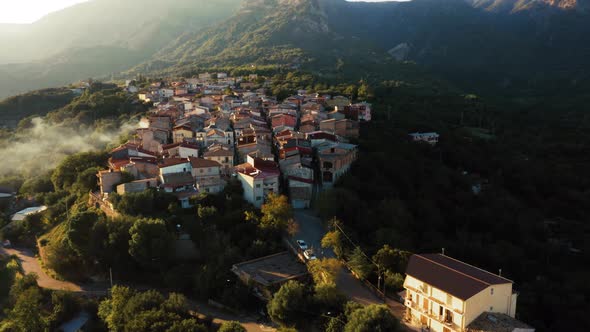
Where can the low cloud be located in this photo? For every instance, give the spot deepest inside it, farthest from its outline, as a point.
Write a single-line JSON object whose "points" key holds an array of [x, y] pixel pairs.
{"points": [[43, 146]]}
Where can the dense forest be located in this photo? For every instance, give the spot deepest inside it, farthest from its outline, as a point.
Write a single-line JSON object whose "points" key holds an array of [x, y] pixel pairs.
{"points": [[505, 188]]}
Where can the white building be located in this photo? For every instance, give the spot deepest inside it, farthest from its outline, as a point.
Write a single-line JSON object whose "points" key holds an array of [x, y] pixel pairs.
{"points": [[259, 178], [447, 295]]}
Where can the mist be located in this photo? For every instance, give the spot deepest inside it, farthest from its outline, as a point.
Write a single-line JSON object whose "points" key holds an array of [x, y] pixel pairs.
{"points": [[44, 145]]}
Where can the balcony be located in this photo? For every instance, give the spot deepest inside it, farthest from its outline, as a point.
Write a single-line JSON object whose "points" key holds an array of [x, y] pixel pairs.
{"points": [[443, 319]]}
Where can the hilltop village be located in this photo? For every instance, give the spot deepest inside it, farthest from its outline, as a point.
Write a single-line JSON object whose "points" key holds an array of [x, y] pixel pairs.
{"points": [[202, 132]]}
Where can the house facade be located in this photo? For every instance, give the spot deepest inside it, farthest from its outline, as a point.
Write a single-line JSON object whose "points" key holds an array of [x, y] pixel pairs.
{"points": [[335, 160], [222, 154], [207, 175], [447, 295], [259, 178]]}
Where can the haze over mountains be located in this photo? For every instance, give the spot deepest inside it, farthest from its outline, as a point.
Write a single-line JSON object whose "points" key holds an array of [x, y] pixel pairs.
{"points": [[97, 38], [483, 44]]}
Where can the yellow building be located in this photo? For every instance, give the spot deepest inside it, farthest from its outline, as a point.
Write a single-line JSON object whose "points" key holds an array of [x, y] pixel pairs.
{"points": [[447, 295]]}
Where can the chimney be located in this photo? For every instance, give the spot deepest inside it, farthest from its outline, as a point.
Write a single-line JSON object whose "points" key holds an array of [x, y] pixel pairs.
{"points": [[443, 251], [500, 272]]}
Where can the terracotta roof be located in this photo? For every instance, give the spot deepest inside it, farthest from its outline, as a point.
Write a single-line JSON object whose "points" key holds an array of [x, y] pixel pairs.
{"points": [[189, 145], [184, 126], [170, 146], [219, 153], [452, 276], [261, 168], [172, 162], [200, 163]]}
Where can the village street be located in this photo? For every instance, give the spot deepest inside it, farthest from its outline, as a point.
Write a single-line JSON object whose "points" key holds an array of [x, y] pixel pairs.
{"points": [[312, 230]]}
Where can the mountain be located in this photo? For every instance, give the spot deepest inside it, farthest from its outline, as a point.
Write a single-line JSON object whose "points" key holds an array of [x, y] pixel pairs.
{"points": [[287, 33], [97, 38], [504, 46], [514, 6], [501, 47]]}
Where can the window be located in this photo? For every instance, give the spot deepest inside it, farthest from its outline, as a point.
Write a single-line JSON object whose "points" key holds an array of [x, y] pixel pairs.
{"points": [[259, 198], [201, 171], [491, 291], [491, 308], [258, 185], [209, 170]]}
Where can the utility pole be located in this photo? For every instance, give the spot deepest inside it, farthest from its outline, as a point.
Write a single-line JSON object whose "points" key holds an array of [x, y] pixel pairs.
{"points": [[111, 276]]}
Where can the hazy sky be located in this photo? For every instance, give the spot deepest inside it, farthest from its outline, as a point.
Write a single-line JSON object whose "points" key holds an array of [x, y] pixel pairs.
{"points": [[27, 11]]}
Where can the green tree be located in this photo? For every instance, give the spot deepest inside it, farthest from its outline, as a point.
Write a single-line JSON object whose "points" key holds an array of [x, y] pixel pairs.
{"points": [[66, 173], [360, 264], [373, 318], [190, 324], [365, 91], [392, 259], [26, 314], [394, 281], [325, 270], [288, 304], [351, 91], [80, 230], [276, 212], [231, 326], [176, 303], [334, 240], [86, 180], [111, 310], [150, 242], [206, 212], [328, 298], [335, 324]]}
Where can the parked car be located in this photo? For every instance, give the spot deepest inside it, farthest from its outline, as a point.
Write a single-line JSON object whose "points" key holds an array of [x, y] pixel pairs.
{"points": [[309, 255], [6, 244], [302, 245]]}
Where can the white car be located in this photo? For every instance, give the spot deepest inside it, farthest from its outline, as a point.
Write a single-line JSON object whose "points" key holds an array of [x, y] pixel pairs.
{"points": [[309, 255], [302, 245]]}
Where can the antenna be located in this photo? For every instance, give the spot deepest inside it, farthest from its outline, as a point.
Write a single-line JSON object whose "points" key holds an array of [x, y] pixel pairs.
{"points": [[443, 251]]}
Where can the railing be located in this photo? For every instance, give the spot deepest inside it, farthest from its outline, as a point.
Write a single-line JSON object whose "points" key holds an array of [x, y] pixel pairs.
{"points": [[428, 312]]}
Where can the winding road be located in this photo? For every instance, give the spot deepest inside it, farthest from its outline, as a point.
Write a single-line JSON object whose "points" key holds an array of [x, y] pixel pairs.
{"points": [[30, 264]]}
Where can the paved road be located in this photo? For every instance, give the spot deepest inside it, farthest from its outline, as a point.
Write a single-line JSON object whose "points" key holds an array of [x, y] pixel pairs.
{"points": [[249, 322], [30, 264], [311, 230]]}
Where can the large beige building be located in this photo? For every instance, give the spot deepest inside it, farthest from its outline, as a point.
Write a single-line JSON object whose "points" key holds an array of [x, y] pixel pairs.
{"points": [[447, 295]]}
